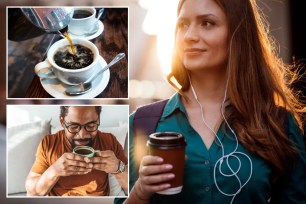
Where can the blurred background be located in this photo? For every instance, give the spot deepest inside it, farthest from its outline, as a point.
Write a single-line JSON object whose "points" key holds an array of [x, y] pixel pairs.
{"points": [[151, 24]]}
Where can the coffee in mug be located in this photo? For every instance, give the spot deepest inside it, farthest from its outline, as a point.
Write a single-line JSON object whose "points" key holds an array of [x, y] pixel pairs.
{"points": [[171, 147], [64, 57], [85, 151]]}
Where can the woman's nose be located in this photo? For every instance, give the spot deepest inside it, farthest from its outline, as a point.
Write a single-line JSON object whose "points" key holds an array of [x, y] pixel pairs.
{"points": [[191, 33]]}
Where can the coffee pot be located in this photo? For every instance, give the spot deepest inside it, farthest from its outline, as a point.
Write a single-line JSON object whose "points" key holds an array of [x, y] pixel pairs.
{"points": [[50, 20]]}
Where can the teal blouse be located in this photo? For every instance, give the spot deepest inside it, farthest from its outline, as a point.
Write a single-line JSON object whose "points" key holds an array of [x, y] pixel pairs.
{"points": [[199, 183]]}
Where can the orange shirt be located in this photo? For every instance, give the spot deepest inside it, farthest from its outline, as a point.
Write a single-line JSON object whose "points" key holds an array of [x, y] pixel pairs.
{"points": [[95, 183]]}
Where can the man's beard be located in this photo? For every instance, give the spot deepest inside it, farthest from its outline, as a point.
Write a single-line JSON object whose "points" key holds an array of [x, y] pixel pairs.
{"points": [[89, 140]]}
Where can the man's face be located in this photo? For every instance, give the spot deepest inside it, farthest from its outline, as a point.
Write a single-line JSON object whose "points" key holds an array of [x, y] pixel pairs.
{"points": [[87, 117]]}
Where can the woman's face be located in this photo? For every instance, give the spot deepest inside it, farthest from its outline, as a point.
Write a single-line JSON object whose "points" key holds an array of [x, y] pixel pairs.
{"points": [[202, 35]]}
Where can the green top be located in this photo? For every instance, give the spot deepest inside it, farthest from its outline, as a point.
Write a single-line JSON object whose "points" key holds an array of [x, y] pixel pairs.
{"points": [[199, 185]]}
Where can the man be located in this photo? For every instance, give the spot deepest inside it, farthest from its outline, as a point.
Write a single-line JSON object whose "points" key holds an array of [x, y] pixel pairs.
{"points": [[59, 172]]}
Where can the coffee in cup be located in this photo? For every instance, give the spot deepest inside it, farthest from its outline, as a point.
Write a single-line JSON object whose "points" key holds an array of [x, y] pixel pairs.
{"points": [[78, 14], [171, 147], [85, 151], [74, 73], [64, 57]]}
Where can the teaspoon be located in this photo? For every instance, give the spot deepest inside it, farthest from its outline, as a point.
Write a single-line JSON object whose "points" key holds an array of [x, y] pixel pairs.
{"points": [[86, 86]]}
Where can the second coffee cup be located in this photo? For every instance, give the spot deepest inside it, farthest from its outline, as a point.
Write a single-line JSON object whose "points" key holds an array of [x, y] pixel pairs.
{"points": [[72, 76], [171, 147], [83, 20]]}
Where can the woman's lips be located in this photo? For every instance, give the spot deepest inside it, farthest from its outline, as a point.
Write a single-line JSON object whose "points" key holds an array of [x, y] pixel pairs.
{"points": [[194, 51]]}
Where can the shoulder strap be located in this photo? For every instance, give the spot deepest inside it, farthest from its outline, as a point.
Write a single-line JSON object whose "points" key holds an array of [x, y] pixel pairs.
{"points": [[147, 117], [145, 122]]}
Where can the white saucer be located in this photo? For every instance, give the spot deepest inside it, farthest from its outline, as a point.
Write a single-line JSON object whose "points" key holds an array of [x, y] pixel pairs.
{"points": [[92, 36], [57, 89]]}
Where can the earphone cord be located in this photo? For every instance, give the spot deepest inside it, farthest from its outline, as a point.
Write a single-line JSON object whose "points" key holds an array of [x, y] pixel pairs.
{"points": [[234, 154]]}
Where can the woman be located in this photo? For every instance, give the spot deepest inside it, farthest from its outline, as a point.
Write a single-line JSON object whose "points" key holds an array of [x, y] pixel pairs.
{"points": [[235, 110]]}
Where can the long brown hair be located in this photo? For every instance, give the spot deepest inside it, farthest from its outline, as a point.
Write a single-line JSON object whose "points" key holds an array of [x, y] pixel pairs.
{"points": [[258, 85]]}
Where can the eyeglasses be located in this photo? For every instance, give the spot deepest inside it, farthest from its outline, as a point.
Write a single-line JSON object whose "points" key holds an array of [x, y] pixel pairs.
{"points": [[75, 127]]}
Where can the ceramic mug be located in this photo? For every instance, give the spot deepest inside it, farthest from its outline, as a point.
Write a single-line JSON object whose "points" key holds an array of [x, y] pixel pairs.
{"points": [[85, 151], [83, 20], [49, 69]]}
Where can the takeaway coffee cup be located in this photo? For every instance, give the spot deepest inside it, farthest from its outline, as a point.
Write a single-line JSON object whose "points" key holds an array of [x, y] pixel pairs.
{"points": [[84, 151], [72, 76], [171, 147], [83, 20]]}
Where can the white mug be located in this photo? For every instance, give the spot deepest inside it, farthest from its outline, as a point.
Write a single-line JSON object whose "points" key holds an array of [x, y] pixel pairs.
{"points": [[49, 69], [81, 26]]}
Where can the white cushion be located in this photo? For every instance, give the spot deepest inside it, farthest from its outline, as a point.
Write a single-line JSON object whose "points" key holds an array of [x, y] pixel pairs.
{"points": [[120, 132], [22, 144], [115, 188]]}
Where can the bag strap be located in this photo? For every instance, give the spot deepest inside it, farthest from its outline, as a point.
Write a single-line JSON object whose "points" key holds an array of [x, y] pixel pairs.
{"points": [[145, 122], [147, 117]]}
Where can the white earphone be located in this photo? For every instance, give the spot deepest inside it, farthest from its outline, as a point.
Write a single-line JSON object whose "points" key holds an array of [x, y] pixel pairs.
{"points": [[226, 157]]}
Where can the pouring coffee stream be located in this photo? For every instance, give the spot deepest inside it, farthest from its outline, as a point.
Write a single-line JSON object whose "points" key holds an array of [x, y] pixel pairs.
{"points": [[64, 32], [51, 20], [73, 48], [83, 88]]}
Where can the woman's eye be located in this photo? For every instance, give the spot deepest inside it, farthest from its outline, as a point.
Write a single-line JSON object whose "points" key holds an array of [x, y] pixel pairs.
{"points": [[207, 24]]}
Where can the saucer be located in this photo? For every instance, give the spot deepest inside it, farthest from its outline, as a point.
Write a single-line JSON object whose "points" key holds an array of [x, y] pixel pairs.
{"points": [[92, 36], [57, 89]]}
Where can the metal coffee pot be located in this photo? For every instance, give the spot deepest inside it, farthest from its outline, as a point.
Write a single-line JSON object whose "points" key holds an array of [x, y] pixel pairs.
{"points": [[50, 20]]}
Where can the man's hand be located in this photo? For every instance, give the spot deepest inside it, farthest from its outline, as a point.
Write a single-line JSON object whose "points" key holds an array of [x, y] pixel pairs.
{"points": [[105, 161], [71, 164]]}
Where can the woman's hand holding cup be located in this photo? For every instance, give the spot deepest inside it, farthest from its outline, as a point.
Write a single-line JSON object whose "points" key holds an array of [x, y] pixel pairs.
{"points": [[153, 177]]}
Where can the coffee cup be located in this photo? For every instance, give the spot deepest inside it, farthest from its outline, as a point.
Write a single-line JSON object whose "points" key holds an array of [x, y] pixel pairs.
{"points": [[50, 69], [171, 147], [83, 20], [85, 151]]}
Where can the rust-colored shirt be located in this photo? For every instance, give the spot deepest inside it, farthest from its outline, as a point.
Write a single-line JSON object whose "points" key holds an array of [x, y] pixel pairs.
{"points": [[95, 183]]}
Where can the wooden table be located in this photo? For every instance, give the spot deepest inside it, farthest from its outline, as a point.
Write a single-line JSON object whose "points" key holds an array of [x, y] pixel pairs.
{"points": [[23, 55]]}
